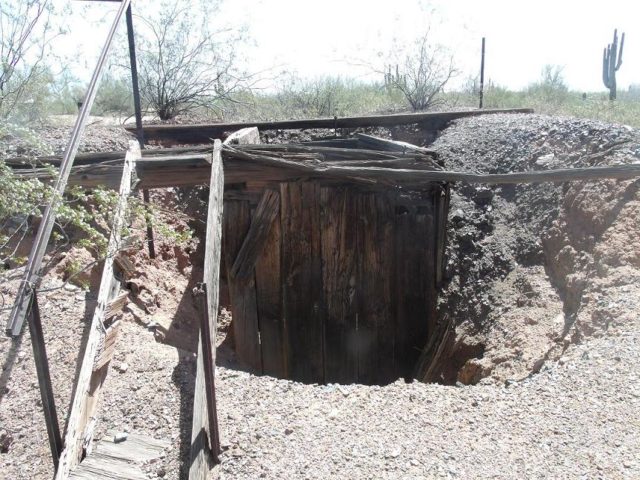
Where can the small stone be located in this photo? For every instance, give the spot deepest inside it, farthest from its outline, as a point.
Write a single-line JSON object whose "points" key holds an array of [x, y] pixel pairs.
{"points": [[120, 437], [122, 367], [395, 453], [288, 431], [5, 441], [161, 472]]}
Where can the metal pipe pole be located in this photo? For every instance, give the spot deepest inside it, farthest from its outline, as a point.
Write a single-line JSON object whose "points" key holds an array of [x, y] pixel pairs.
{"points": [[482, 73], [32, 272], [139, 130]]}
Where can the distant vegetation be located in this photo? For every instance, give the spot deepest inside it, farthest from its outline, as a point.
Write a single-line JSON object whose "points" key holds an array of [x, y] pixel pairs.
{"points": [[188, 71]]}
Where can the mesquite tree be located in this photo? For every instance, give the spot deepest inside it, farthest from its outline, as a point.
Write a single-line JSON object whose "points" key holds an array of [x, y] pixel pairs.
{"points": [[421, 73], [611, 61], [183, 64], [25, 34]]}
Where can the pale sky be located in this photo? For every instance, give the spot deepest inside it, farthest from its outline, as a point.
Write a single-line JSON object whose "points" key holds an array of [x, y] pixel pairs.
{"points": [[331, 37]]}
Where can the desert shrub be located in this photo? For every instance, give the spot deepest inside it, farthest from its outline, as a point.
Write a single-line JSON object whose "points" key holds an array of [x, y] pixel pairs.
{"points": [[421, 73], [115, 96], [83, 217]]}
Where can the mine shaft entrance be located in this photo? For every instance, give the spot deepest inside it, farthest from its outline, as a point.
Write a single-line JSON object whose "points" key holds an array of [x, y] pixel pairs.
{"points": [[332, 280]]}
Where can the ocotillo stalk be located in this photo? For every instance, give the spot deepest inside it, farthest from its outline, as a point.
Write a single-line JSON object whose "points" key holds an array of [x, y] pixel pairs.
{"points": [[611, 61]]}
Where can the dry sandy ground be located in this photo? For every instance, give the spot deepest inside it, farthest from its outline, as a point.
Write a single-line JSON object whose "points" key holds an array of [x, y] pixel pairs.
{"points": [[576, 418]]}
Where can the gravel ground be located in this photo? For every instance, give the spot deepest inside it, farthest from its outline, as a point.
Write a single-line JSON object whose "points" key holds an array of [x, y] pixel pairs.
{"points": [[575, 418]]}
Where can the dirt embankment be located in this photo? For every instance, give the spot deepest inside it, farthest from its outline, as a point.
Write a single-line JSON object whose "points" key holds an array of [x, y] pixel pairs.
{"points": [[534, 268]]}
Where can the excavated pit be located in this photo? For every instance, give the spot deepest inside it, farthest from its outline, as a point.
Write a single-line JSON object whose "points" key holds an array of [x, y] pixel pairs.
{"points": [[526, 266]]}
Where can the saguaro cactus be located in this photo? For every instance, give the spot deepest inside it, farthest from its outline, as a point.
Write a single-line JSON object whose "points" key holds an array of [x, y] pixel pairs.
{"points": [[611, 61]]}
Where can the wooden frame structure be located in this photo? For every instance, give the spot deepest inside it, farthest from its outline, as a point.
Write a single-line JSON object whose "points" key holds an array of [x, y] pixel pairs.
{"points": [[102, 337]]}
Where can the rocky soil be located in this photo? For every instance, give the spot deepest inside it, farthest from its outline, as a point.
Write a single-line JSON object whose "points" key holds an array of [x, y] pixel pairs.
{"points": [[534, 268], [541, 279]]}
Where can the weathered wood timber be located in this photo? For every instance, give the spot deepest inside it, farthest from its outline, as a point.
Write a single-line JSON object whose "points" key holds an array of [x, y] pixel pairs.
{"points": [[340, 276], [263, 166], [204, 133], [302, 280], [87, 386], [119, 461], [273, 343], [263, 218], [205, 441], [376, 322]]}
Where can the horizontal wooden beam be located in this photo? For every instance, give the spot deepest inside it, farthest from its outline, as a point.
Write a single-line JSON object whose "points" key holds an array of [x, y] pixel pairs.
{"points": [[204, 133], [195, 169]]}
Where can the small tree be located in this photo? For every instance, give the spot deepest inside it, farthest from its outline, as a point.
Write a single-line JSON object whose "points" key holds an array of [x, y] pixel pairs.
{"points": [[183, 64], [25, 33], [421, 73], [551, 88]]}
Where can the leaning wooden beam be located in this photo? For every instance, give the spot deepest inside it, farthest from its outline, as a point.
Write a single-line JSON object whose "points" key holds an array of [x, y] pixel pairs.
{"points": [[419, 177], [266, 212], [204, 435], [369, 141], [79, 423], [204, 133]]}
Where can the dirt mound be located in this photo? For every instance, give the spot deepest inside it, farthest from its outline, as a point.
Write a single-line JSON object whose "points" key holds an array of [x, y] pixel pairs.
{"points": [[530, 266]]}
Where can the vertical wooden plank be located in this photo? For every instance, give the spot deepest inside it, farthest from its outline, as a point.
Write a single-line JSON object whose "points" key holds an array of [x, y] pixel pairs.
{"points": [[244, 313], [85, 397], [302, 280], [411, 292], [376, 326], [204, 430], [340, 277], [268, 294]]}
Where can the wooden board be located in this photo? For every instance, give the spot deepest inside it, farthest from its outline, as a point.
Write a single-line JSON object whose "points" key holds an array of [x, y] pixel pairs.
{"points": [[302, 280], [263, 218], [268, 295], [410, 285], [204, 133], [376, 325], [104, 467], [87, 385], [237, 220], [204, 430], [340, 283]]}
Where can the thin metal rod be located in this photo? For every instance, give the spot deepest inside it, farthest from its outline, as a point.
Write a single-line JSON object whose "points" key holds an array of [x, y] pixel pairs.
{"points": [[44, 381], [209, 375], [134, 78], [482, 73], [32, 272], [139, 130]]}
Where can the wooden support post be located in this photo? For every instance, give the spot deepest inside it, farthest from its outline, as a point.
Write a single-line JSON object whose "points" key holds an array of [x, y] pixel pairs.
{"points": [[44, 381], [79, 424], [204, 427]]}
